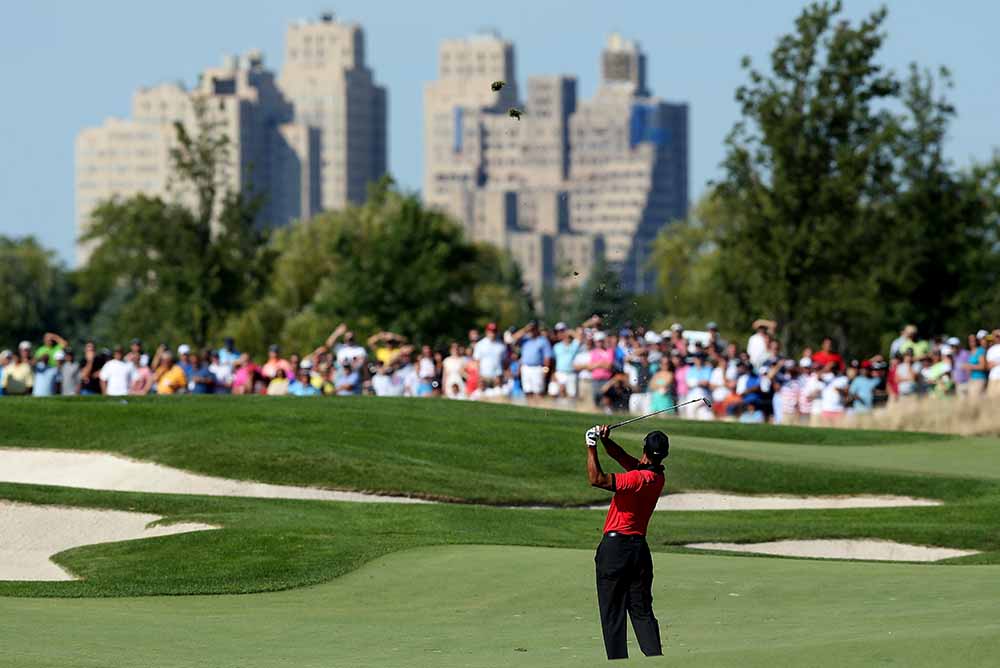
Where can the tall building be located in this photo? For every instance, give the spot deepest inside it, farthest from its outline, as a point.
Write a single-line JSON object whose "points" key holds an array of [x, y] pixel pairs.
{"points": [[325, 78], [313, 146], [569, 182]]}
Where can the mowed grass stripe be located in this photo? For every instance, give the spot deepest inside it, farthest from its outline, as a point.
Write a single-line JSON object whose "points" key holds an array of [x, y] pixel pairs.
{"points": [[492, 606], [439, 449]]}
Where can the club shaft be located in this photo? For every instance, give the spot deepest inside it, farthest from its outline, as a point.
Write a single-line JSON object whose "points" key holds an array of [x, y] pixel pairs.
{"points": [[664, 410]]}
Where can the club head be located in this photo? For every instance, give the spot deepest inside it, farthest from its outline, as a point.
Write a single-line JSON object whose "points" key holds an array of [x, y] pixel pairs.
{"points": [[707, 402]]}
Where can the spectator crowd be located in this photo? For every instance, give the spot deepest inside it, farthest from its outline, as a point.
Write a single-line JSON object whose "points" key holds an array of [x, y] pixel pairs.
{"points": [[631, 369]]}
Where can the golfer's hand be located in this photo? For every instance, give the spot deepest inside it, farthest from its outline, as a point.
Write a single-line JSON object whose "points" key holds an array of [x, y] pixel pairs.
{"points": [[592, 437], [604, 432]]}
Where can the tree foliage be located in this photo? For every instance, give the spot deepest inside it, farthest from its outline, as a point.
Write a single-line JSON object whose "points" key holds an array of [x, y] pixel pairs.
{"points": [[34, 290], [390, 264], [170, 271], [838, 213]]}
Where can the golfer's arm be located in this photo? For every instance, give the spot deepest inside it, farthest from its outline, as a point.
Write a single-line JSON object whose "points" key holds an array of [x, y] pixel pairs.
{"points": [[616, 452], [597, 477]]}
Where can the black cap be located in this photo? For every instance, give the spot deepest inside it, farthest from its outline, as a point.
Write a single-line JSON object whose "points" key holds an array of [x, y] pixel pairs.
{"points": [[656, 445]]}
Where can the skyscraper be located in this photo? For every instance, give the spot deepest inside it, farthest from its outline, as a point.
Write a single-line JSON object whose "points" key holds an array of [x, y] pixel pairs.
{"points": [[311, 147], [325, 78], [569, 182]]}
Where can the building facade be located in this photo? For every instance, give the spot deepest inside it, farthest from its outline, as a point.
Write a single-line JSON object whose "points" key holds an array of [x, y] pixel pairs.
{"points": [[569, 182], [310, 140]]}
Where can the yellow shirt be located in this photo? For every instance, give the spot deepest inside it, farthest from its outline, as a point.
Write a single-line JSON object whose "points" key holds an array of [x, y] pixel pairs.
{"points": [[171, 381]]}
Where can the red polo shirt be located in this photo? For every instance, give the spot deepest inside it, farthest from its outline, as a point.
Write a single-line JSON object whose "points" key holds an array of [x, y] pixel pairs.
{"points": [[636, 494]]}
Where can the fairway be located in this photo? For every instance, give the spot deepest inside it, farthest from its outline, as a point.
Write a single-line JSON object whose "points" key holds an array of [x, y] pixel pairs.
{"points": [[487, 607], [475, 582]]}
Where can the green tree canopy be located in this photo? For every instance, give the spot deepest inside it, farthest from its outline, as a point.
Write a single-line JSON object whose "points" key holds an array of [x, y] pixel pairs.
{"points": [[167, 271], [389, 264], [34, 290], [837, 214]]}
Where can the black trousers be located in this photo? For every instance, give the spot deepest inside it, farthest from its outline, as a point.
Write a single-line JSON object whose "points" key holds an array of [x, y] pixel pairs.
{"points": [[625, 582]]}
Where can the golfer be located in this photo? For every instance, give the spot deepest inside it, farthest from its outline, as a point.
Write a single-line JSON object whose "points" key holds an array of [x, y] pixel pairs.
{"points": [[624, 565]]}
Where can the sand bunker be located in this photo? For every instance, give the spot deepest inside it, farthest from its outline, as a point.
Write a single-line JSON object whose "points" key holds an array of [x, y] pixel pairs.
{"points": [[872, 550], [722, 501], [30, 535], [98, 470]]}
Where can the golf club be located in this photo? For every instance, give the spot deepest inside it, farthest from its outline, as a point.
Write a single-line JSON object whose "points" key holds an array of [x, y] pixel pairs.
{"points": [[664, 410]]}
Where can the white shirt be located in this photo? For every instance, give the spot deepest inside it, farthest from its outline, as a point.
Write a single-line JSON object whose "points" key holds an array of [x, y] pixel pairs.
{"points": [[346, 352], [118, 376], [993, 357], [489, 354], [757, 349], [832, 399]]}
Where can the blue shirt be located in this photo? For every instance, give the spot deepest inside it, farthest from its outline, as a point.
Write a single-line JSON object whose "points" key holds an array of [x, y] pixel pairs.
{"points": [[564, 354], [976, 358], [45, 381], [228, 357], [344, 377], [864, 390], [299, 389], [205, 386], [535, 351]]}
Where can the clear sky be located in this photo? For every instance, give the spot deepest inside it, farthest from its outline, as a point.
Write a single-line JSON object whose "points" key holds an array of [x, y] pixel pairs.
{"points": [[65, 65]]}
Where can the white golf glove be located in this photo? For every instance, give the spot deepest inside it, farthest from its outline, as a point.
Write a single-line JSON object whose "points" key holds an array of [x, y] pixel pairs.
{"points": [[592, 437]]}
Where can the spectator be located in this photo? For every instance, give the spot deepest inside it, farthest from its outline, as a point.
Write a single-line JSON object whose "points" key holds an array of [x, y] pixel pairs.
{"points": [[661, 387], [757, 344], [960, 370], [221, 371], [276, 366], [187, 363], [905, 338], [5, 359], [385, 345], [993, 364], [52, 343], [228, 354], [142, 377], [169, 376], [69, 373], [301, 385], [789, 390], [862, 390], [427, 372], [827, 356], [44, 384], [906, 375], [489, 354], [835, 394], [19, 377], [601, 366], [347, 381], [116, 375], [716, 344], [453, 372], [977, 366], [202, 380], [536, 359], [564, 353], [245, 375]]}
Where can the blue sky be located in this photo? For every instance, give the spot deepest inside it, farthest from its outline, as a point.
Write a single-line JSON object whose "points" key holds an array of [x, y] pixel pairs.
{"points": [[66, 65]]}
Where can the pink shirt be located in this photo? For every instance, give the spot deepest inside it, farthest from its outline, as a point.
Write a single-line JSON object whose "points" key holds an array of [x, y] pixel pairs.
{"points": [[599, 356]]}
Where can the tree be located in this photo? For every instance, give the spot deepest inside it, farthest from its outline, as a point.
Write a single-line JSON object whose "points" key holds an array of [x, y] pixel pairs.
{"points": [[808, 182], [34, 289], [389, 264], [838, 213], [173, 271]]}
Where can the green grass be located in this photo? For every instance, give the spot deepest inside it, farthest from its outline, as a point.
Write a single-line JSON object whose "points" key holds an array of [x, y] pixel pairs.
{"points": [[483, 453], [360, 585], [484, 607]]}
